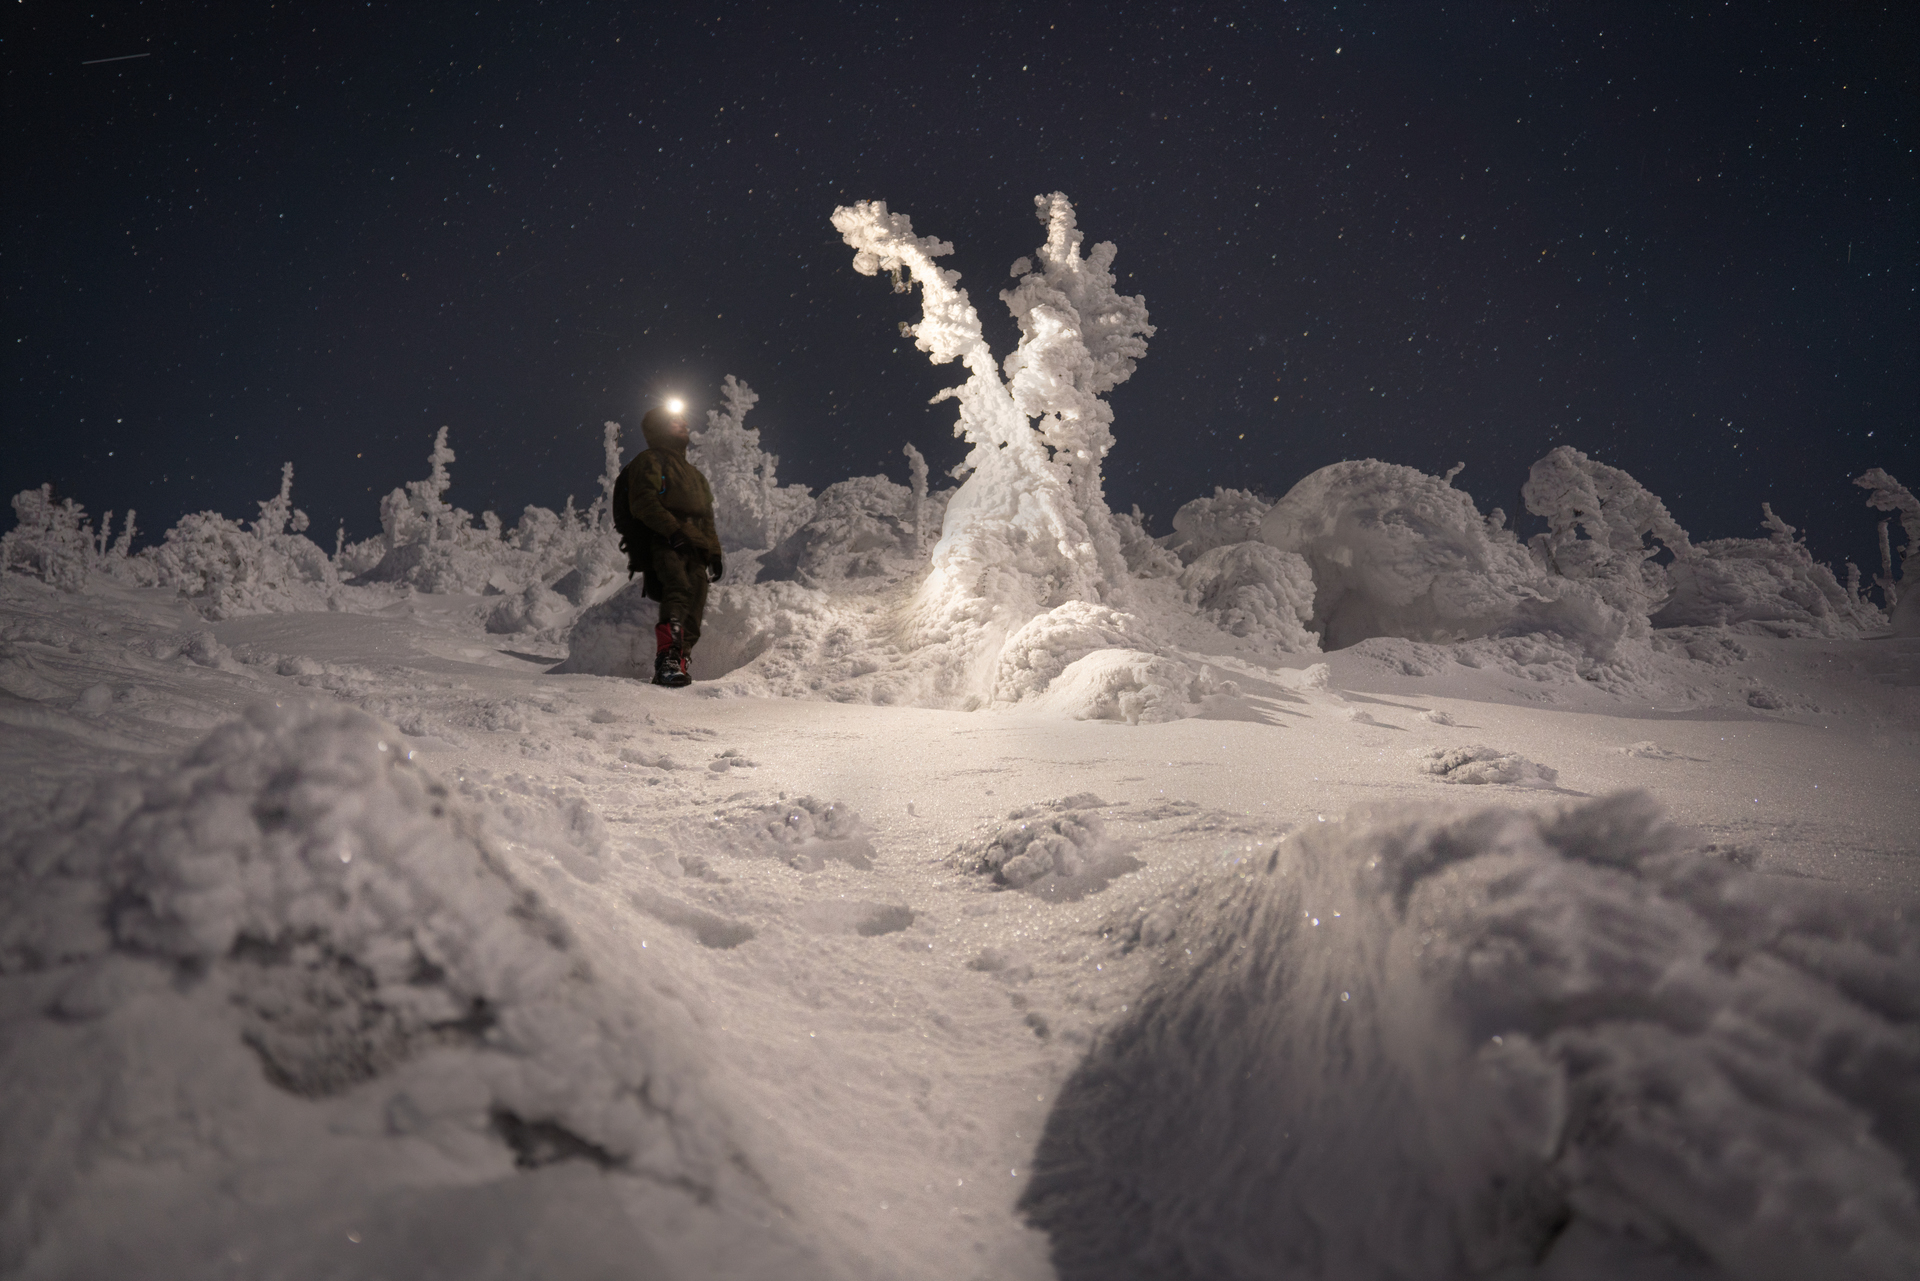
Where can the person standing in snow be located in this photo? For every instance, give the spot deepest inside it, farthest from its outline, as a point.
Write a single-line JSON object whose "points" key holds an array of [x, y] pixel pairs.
{"points": [[670, 537]]}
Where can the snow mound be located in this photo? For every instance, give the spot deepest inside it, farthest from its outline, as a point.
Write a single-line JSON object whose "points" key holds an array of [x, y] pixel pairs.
{"points": [[806, 832], [294, 940], [615, 637], [1058, 849], [1251, 590], [1396, 552], [1771, 583], [1035, 655], [1480, 764], [1126, 685], [1444, 1044], [1230, 516]]}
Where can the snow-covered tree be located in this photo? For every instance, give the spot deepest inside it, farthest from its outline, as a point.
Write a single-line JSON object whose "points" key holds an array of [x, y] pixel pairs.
{"points": [[751, 508], [1029, 529], [50, 541], [1886, 494], [1599, 523], [1771, 583], [278, 514], [226, 568]]}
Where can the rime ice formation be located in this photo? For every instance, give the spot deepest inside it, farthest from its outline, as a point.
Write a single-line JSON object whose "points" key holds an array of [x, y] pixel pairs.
{"points": [[1599, 522], [1029, 528], [434, 546], [1453, 1045], [1396, 552], [1889, 495], [1230, 516], [603, 986], [1771, 582], [751, 508]]}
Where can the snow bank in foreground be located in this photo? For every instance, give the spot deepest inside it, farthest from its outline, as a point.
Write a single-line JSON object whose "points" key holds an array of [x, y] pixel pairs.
{"points": [[286, 1001], [1450, 1044]]}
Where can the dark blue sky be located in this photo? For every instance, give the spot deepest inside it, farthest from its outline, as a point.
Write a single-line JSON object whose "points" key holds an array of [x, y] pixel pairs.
{"points": [[1679, 237]]}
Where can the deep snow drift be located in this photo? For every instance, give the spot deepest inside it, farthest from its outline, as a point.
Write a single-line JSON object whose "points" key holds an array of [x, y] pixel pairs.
{"points": [[1449, 1045], [1335, 886]]}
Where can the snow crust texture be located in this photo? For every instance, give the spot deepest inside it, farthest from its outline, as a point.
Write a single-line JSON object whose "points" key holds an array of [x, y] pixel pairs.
{"points": [[295, 907], [1481, 764], [1554, 1044]]}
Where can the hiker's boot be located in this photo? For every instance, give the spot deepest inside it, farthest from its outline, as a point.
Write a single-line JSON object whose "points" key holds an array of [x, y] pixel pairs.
{"points": [[669, 660]]}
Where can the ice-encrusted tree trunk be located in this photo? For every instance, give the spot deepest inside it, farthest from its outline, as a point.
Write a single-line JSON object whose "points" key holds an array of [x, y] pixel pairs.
{"points": [[1886, 494], [917, 507], [123, 545], [609, 474], [1029, 529]]}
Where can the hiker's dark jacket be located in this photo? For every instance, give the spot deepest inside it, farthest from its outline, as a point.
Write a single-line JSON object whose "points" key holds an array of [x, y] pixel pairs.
{"points": [[669, 495], [665, 494]]}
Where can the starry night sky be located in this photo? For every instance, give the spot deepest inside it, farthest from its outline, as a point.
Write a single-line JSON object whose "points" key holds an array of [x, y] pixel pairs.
{"points": [[1680, 237]]}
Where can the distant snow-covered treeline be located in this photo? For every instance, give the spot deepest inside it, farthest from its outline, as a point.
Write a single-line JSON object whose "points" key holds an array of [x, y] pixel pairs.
{"points": [[1021, 584]]}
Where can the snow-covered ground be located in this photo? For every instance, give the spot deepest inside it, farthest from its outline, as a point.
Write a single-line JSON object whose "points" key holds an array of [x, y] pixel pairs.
{"points": [[1335, 887], [729, 1031]]}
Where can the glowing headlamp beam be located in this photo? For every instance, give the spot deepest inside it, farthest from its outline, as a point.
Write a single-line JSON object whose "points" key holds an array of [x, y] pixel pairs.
{"points": [[675, 405]]}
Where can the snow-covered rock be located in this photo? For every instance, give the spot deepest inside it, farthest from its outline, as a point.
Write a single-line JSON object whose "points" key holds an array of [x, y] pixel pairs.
{"points": [[1478, 763]]}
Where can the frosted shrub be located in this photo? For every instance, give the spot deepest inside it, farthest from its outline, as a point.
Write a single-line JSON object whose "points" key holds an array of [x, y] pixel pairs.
{"points": [[434, 546], [228, 569], [1144, 556], [1254, 591], [750, 507], [50, 541], [861, 528], [1051, 642], [1771, 583], [1396, 552], [1230, 516], [1602, 525]]}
